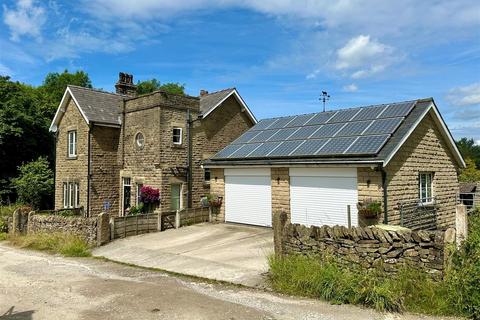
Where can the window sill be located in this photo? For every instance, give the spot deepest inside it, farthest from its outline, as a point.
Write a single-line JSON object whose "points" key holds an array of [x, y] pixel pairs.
{"points": [[178, 146], [426, 204], [72, 157]]}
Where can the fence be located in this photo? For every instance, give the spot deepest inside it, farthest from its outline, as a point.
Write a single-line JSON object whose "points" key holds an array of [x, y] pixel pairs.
{"points": [[469, 199], [417, 215], [185, 217], [122, 227]]}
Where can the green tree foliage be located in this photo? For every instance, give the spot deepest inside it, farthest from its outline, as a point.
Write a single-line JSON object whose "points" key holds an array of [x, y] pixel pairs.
{"points": [[470, 173], [34, 184], [149, 86], [25, 116], [469, 149]]}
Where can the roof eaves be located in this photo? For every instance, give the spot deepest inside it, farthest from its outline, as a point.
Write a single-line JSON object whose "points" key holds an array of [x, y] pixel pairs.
{"points": [[238, 98], [61, 109]]}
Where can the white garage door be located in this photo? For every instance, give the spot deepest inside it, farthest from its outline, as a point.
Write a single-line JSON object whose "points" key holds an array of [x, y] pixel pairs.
{"points": [[321, 196], [248, 196]]}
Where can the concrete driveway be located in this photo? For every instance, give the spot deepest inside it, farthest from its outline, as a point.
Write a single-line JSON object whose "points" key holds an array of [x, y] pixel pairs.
{"points": [[226, 252]]}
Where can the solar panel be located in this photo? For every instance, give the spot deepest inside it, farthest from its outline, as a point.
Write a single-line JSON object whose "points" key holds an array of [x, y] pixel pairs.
{"points": [[369, 113], [353, 128], [336, 146], [343, 115], [299, 120], [285, 148], [398, 110], [263, 135], [309, 147], [282, 134], [244, 150], [368, 145], [281, 122], [263, 124], [327, 130], [228, 150], [320, 118], [381, 126], [264, 149], [247, 136], [303, 132]]}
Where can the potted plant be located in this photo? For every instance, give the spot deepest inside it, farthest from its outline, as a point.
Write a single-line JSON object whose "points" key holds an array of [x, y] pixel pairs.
{"points": [[369, 209], [214, 202], [150, 197]]}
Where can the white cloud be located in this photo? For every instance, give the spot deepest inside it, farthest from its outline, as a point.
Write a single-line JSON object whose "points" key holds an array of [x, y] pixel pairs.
{"points": [[364, 57], [26, 19], [350, 88], [5, 71], [465, 96]]}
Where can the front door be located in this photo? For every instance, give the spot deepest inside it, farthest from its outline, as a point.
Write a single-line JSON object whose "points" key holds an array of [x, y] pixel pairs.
{"points": [[175, 196]]}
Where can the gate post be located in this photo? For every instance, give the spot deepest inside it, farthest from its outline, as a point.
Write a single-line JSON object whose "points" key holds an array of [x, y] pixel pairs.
{"points": [[177, 219]]}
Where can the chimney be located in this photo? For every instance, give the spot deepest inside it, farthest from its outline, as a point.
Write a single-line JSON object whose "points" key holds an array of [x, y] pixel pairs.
{"points": [[125, 85], [203, 93]]}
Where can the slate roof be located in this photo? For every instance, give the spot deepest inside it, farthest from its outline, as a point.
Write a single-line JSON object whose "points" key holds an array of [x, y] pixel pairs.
{"points": [[211, 100], [468, 187], [98, 106], [363, 134]]}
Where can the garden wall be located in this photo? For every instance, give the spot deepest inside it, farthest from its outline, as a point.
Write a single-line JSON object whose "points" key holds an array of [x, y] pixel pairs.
{"points": [[83, 227], [371, 247]]}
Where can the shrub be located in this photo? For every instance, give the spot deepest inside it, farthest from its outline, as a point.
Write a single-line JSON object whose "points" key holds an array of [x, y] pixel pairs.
{"points": [[67, 244], [3, 236], [149, 195], [35, 183]]}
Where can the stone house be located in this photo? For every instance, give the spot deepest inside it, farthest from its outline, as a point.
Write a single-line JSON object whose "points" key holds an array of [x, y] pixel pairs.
{"points": [[395, 163], [109, 145]]}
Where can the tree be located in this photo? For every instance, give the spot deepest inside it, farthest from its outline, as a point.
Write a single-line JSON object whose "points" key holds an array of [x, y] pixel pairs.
{"points": [[469, 149], [470, 173], [34, 184], [53, 87], [152, 85]]}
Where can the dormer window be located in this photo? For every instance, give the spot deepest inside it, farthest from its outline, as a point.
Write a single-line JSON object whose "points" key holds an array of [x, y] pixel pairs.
{"points": [[72, 144], [177, 136]]}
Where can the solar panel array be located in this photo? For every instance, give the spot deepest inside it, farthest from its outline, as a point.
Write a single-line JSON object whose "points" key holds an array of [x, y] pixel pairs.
{"points": [[358, 131]]}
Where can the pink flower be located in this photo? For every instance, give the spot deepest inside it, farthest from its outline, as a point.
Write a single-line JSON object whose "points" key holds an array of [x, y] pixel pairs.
{"points": [[149, 195]]}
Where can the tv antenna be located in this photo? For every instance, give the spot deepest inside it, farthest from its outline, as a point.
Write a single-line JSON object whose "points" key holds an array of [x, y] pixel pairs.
{"points": [[324, 98]]}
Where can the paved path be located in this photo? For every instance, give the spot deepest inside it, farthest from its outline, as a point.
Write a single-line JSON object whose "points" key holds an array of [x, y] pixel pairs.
{"points": [[227, 252], [34, 285]]}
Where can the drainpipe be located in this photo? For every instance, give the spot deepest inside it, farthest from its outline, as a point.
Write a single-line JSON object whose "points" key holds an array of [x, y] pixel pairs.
{"points": [[55, 167], [189, 160], [88, 168], [385, 194]]}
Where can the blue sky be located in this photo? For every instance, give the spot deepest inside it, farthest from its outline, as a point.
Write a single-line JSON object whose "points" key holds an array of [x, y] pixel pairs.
{"points": [[279, 54]]}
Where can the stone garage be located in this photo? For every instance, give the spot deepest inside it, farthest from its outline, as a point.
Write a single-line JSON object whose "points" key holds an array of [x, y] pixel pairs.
{"points": [[393, 163]]}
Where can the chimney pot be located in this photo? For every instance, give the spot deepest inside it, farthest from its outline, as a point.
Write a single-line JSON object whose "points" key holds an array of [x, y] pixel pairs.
{"points": [[203, 93], [125, 85]]}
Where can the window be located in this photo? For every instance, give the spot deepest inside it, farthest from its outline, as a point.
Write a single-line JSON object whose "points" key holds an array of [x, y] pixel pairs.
{"points": [[71, 195], [177, 135], [139, 140], [206, 176], [139, 193], [176, 197], [127, 187], [425, 181], [72, 144]]}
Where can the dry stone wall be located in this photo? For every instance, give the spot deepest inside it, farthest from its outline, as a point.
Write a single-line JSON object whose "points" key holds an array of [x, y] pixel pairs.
{"points": [[371, 247], [83, 227]]}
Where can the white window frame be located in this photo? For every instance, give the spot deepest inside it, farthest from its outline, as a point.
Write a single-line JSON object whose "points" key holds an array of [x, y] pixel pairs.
{"points": [[126, 182], [72, 143], [179, 135], [139, 143], [425, 184], [205, 170], [65, 195], [77, 195], [139, 188]]}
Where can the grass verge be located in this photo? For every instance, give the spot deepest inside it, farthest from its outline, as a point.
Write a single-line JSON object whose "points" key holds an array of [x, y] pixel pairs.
{"points": [[68, 245], [409, 290]]}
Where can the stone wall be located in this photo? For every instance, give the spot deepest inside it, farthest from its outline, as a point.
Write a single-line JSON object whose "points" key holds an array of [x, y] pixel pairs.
{"points": [[104, 169], [83, 227], [71, 169], [371, 247], [424, 151]]}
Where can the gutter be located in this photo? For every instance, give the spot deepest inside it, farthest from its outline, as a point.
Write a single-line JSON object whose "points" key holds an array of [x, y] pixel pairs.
{"points": [[189, 160], [385, 195], [88, 167]]}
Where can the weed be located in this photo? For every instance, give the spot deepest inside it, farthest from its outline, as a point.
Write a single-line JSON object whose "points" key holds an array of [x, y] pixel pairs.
{"points": [[69, 245]]}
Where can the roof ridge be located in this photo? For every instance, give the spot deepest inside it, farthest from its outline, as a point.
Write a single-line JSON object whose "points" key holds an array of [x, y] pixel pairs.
{"points": [[218, 91], [97, 90], [350, 108]]}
